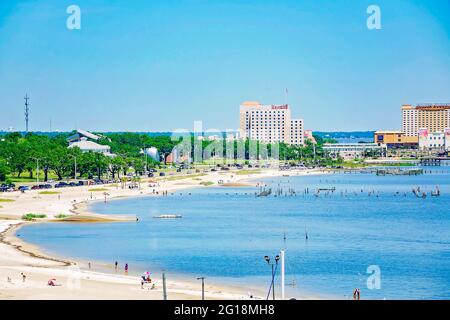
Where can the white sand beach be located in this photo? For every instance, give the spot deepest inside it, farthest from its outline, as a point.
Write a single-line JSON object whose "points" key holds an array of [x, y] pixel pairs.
{"points": [[74, 279]]}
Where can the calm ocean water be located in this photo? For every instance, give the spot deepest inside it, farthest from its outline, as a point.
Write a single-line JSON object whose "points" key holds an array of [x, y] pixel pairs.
{"points": [[225, 233]]}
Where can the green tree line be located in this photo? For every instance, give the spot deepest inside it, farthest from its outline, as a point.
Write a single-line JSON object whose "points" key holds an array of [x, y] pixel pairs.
{"points": [[20, 155]]}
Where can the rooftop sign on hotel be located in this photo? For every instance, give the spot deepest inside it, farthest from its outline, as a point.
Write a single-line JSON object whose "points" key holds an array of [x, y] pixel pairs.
{"points": [[433, 107], [284, 106]]}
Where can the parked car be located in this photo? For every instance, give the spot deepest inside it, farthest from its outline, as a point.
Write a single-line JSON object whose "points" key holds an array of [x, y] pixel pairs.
{"points": [[23, 188], [61, 185], [162, 174], [99, 181], [6, 188], [8, 185]]}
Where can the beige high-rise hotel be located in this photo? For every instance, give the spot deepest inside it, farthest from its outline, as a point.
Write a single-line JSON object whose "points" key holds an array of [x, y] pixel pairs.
{"points": [[434, 117], [270, 123]]}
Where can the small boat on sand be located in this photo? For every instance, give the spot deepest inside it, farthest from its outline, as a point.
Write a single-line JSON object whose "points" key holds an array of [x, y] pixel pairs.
{"points": [[168, 216]]}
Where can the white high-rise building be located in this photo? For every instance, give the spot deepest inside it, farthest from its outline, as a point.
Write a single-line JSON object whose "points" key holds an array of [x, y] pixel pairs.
{"points": [[269, 123], [297, 132], [410, 121]]}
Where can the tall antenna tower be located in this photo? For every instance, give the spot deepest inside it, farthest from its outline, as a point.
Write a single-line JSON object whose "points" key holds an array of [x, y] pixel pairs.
{"points": [[26, 111]]}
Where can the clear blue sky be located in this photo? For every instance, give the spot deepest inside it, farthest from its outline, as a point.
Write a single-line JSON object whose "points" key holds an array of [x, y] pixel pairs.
{"points": [[160, 65]]}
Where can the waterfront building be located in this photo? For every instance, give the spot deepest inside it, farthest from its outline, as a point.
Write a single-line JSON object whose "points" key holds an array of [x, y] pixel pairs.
{"points": [[353, 150], [434, 117], [395, 139], [80, 133], [83, 140], [270, 123], [297, 132], [90, 146], [434, 141]]}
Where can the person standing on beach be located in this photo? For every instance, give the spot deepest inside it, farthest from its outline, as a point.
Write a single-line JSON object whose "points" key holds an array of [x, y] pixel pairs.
{"points": [[115, 265], [126, 267], [24, 277]]}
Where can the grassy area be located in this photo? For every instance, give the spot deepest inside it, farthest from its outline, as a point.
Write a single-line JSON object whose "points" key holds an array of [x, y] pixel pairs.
{"points": [[206, 183], [216, 161], [361, 164], [26, 179], [49, 192], [32, 216], [354, 165], [61, 216], [400, 164], [189, 176], [244, 172], [6, 200], [98, 189]]}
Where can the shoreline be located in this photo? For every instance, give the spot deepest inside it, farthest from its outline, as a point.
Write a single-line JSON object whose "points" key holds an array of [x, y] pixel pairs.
{"points": [[80, 208]]}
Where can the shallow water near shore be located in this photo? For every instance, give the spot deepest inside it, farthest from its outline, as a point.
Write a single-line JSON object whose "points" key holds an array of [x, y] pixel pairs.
{"points": [[225, 232]]}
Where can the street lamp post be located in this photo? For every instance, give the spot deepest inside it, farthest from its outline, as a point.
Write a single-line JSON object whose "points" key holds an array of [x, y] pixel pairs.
{"points": [[203, 286], [75, 169], [145, 159], [274, 267], [75, 174], [37, 169], [164, 286]]}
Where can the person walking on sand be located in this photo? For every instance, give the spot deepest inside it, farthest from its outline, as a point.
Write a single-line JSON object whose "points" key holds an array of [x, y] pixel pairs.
{"points": [[24, 277], [126, 267], [115, 265]]}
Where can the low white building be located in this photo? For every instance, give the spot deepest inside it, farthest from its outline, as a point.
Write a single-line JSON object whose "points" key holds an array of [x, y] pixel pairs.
{"points": [[352, 150], [437, 141], [90, 146]]}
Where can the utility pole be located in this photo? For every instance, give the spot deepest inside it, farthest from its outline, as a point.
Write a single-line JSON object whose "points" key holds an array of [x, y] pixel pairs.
{"points": [[282, 274], [37, 169], [164, 286], [203, 286], [286, 100], [145, 155], [26, 111], [272, 284], [75, 173]]}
